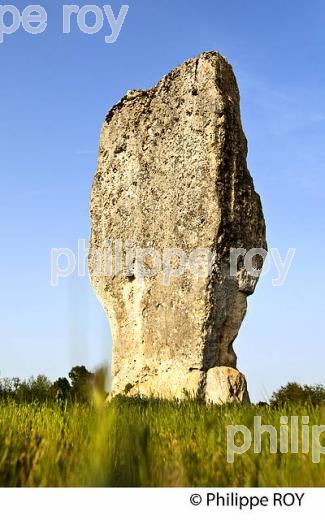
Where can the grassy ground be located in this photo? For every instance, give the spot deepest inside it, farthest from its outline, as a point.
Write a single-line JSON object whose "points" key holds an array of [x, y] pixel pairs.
{"points": [[131, 442]]}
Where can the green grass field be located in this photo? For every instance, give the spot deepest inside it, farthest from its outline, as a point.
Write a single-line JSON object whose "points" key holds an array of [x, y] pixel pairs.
{"points": [[132, 442]]}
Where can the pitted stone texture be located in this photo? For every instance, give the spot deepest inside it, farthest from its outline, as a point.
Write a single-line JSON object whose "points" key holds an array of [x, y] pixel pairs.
{"points": [[225, 385], [172, 174], [169, 384], [219, 385]]}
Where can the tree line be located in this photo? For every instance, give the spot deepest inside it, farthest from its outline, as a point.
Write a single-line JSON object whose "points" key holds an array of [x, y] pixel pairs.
{"points": [[79, 386]]}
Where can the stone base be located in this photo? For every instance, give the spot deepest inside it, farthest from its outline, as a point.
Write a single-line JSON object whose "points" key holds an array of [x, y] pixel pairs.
{"points": [[219, 385], [225, 385]]}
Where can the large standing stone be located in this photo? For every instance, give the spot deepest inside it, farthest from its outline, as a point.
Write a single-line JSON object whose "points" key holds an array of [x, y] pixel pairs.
{"points": [[172, 174]]}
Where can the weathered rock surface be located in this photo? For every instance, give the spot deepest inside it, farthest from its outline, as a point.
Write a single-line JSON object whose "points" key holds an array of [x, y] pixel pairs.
{"points": [[172, 174], [225, 385]]}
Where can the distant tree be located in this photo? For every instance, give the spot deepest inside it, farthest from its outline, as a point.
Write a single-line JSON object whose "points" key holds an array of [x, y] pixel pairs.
{"points": [[8, 387], [15, 383], [61, 389], [23, 393], [81, 383], [295, 393], [38, 389]]}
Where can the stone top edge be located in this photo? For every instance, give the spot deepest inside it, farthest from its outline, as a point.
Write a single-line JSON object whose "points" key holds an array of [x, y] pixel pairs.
{"points": [[133, 94]]}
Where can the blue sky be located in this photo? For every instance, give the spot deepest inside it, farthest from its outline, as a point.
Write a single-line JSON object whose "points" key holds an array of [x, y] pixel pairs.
{"points": [[55, 90]]}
